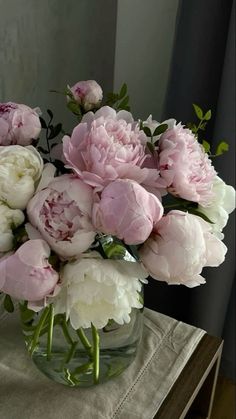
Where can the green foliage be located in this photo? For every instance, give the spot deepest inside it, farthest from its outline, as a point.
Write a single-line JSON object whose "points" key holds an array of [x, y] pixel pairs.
{"points": [[160, 129], [222, 148], [202, 117], [8, 304], [198, 111], [119, 101], [147, 131], [206, 146]]}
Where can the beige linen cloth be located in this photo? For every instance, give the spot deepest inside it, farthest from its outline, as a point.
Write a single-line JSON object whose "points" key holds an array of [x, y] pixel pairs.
{"points": [[25, 393]]}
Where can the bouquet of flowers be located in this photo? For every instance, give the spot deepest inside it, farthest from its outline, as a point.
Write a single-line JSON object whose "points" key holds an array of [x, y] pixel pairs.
{"points": [[86, 219]]}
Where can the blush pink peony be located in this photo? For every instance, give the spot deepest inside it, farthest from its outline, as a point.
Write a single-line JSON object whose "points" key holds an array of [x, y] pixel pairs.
{"points": [[87, 93], [185, 166], [127, 211], [27, 274], [180, 247], [106, 146], [19, 124], [61, 213]]}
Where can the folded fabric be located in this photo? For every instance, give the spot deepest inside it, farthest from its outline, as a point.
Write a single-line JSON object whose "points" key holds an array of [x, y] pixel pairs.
{"points": [[25, 393]]}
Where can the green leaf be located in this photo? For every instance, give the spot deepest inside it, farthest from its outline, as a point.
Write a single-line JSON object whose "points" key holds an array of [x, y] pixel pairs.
{"points": [[8, 304], [126, 108], [74, 107], [192, 127], [199, 214], [147, 131], [114, 250], [124, 103], [160, 129], [203, 126], [207, 115], [123, 91], [222, 148], [206, 146], [26, 314], [42, 122], [150, 147], [198, 111]]}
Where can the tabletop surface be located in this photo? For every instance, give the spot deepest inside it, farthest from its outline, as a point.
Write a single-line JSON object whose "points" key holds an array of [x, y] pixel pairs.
{"points": [[168, 354]]}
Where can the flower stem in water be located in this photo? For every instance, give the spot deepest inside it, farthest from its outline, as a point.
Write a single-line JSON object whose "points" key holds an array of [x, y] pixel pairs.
{"points": [[50, 332], [95, 354]]}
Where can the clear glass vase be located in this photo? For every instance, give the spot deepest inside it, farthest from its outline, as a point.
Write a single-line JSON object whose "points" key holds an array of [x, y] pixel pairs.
{"points": [[83, 357]]}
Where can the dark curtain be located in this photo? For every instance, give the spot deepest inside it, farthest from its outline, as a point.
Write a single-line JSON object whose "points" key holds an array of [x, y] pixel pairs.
{"points": [[203, 72]]}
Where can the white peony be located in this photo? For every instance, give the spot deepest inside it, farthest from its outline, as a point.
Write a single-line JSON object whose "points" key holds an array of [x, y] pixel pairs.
{"points": [[9, 219], [181, 245], [222, 204], [20, 169], [95, 290]]}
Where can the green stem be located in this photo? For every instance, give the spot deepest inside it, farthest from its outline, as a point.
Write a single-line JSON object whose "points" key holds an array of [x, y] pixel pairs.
{"points": [[50, 332], [82, 368], [95, 336], [66, 332], [84, 340], [38, 329], [71, 352]]}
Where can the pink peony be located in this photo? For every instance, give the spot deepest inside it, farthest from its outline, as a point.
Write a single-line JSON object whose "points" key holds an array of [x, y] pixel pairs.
{"points": [[61, 212], [87, 93], [106, 146], [27, 274], [127, 210], [19, 124], [185, 166], [180, 247]]}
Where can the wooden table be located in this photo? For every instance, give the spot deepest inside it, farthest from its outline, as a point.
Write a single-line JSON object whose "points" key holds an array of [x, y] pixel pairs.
{"points": [[192, 395]]}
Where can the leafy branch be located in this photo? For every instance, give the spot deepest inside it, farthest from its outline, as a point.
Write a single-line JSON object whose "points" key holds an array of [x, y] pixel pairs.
{"points": [[203, 119]]}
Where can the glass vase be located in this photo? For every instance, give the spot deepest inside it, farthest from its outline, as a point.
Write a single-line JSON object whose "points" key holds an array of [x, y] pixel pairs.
{"points": [[82, 357]]}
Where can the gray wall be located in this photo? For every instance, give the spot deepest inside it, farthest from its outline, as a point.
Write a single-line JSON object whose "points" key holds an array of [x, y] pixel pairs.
{"points": [[48, 43], [144, 41]]}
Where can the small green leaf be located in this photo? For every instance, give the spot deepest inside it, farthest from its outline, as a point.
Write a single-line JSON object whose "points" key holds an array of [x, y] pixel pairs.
{"points": [[207, 115], [150, 147], [147, 131], [123, 91], [198, 111], [160, 129], [206, 146], [124, 103], [8, 304], [203, 126], [140, 299], [192, 127], [74, 107], [222, 148], [199, 214]]}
